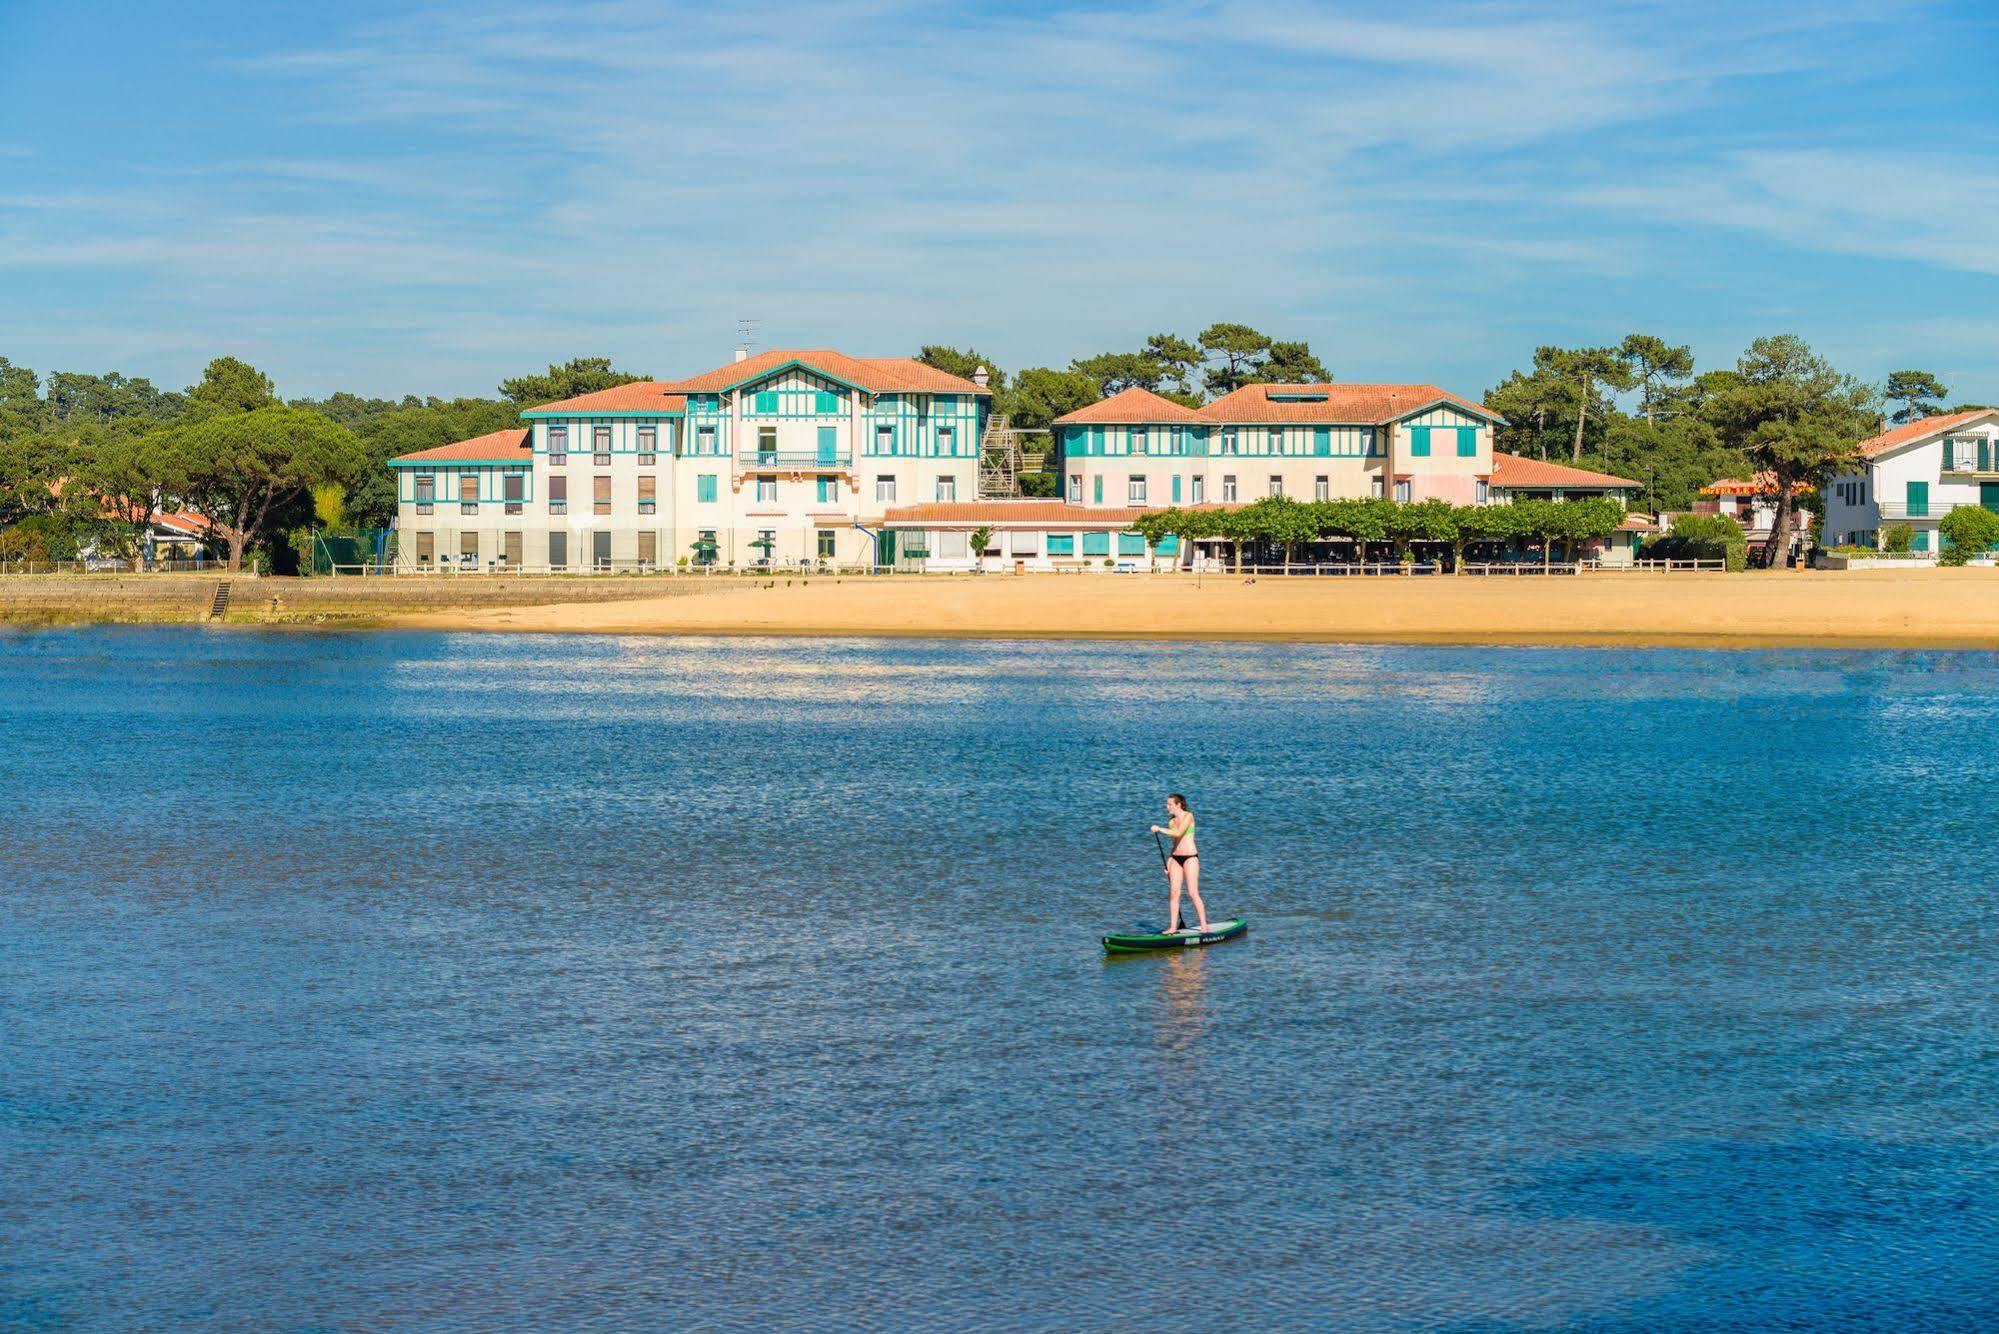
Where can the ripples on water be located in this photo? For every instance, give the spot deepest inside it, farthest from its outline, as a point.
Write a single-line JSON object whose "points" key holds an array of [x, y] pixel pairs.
{"points": [[349, 981]]}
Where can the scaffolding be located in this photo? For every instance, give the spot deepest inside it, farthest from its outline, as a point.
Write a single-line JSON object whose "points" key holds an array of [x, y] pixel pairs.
{"points": [[1005, 453]]}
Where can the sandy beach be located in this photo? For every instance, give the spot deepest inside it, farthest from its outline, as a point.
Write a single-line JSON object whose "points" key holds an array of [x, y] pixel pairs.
{"points": [[1893, 608]]}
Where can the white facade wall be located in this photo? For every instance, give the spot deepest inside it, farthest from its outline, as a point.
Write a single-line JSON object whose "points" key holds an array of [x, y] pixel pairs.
{"points": [[1861, 505]]}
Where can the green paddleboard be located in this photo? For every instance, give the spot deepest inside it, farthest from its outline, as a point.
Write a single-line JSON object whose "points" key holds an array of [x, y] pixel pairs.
{"points": [[1140, 942]]}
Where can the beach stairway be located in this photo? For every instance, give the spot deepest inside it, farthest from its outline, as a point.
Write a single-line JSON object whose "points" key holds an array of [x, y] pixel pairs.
{"points": [[220, 605]]}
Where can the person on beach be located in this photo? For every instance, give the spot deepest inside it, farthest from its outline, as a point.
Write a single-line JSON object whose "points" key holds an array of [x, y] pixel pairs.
{"points": [[1183, 863]]}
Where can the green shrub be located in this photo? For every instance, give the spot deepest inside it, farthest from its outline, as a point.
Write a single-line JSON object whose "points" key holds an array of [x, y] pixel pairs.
{"points": [[1972, 530], [1703, 537], [1896, 537]]}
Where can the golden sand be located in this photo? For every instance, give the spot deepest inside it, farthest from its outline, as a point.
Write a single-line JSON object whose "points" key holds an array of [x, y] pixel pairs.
{"points": [[1865, 608]]}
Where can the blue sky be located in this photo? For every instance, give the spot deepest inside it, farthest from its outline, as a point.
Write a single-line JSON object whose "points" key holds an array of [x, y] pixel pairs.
{"points": [[392, 199]]}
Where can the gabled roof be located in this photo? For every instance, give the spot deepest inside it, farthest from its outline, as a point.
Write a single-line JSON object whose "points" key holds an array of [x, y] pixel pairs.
{"points": [[638, 396], [1133, 406], [508, 446], [1909, 432], [1512, 471], [1334, 404], [874, 375]]}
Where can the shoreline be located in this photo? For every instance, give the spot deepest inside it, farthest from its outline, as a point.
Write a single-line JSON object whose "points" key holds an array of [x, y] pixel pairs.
{"points": [[1888, 609]]}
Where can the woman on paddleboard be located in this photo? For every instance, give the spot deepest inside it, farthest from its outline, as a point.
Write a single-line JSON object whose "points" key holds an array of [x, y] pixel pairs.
{"points": [[1183, 863]]}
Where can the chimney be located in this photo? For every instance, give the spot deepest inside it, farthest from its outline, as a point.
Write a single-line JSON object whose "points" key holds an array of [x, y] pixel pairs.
{"points": [[979, 377], [742, 354]]}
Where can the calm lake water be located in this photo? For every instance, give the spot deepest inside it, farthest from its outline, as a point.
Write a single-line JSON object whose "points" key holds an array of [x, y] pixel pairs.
{"points": [[427, 980]]}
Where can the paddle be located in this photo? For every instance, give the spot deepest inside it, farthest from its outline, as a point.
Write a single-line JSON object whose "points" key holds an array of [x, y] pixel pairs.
{"points": [[1157, 843]]}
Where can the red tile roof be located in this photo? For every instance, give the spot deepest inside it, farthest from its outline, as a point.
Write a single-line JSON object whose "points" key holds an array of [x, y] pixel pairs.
{"points": [[877, 375], [1512, 471], [1915, 430], [508, 446], [1133, 406], [975, 513], [638, 396], [1342, 404]]}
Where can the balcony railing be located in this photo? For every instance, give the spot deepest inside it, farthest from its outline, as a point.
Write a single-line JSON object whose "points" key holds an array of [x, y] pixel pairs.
{"points": [[795, 458]]}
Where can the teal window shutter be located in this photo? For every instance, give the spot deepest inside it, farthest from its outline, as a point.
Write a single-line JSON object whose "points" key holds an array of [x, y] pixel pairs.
{"points": [[1984, 454], [1176, 490], [704, 488], [1096, 544], [1467, 442], [828, 403], [1130, 544], [1919, 540], [767, 401], [1419, 442], [1919, 500], [1061, 544], [1169, 545], [1322, 440], [1098, 490]]}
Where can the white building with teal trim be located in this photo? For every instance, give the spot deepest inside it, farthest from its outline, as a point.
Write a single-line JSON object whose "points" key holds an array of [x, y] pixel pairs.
{"points": [[1915, 474], [783, 458]]}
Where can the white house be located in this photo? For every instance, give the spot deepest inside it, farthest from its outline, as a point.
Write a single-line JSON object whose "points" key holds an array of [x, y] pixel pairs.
{"points": [[1914, 475]]}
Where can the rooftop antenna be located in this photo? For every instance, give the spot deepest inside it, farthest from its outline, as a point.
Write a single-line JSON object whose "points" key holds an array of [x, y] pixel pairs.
{"points": [[746, 337]]}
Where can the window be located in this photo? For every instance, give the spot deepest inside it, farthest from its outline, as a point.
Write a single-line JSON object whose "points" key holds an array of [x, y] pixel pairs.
{"points": [[884, 440], [600, 550], [1322, 488], [558, 495], [648, 494], [884, 489], [601, 495], [704, 440], [766, 490], [1200, 491], [1468, 442], [766, 444], [1176, 489], [1482, 492], [704, 488], [825, 404], [947, 442], [947, 488], [426, 492], [1138, 446], [1027, 544], [468, 548], [1228, 489], [1419, 441], [1919, 500], [648, 548], [468, 493], [426, 548], [1374, 487], [829, 490], [514, 489], [1075, 488], [766, 401], [558, 446], [1229, 443], [510, 550], [1096, 490], [1096, 544], [829, 446], [600, 446], [648, 446], [1919, 540], [827, 538], [558, 550], [1134, 489], [1130, 544], [1276, 440], [1402, 493], [1276, 484], [1061, 544], [952, 546], [1322, 440]]}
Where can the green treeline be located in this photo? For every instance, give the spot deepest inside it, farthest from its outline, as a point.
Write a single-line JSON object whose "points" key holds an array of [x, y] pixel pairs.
{"points": [[87, 460], [1279, 525]]}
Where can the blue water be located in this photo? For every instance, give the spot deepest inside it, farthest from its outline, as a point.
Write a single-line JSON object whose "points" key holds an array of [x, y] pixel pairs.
{"points": [[420, 980]]}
